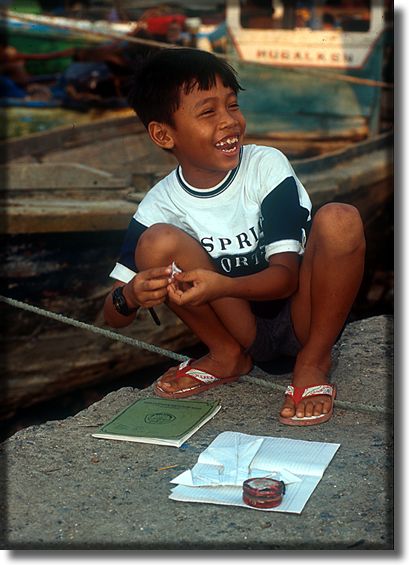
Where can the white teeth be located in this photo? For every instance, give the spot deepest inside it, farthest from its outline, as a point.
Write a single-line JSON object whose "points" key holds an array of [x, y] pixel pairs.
{"points": [[228, 141]]}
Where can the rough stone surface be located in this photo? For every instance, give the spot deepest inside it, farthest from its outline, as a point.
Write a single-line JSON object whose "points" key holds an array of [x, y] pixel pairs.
{"points": [[67, 490]]}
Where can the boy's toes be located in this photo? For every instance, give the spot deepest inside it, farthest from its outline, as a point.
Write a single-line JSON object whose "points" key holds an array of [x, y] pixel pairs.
{"points": [[319, 409], [167, 379], [288, 409], [314, 407], [165, 384], [326, 405], [170, 383], [307, 409]]}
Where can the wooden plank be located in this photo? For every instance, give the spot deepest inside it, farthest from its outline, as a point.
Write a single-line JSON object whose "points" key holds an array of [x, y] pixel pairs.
{"points": [[65, 216], [324, 162], [57, 176], [68, 136]]}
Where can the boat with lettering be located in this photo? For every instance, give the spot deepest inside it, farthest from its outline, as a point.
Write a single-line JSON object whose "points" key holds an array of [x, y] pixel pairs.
{"points": [[318, 70], [313, 72]]}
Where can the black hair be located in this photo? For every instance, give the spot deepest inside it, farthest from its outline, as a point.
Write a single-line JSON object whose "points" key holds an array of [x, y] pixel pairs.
{"points": [[159, 80]]}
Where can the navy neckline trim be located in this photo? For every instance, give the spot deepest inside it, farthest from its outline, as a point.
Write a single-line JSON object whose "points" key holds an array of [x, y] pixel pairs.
{"points": [[211, 193]]}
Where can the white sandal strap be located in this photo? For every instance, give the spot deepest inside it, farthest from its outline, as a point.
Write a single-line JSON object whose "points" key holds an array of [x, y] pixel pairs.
{"points": [[201, 376], [314, 390]]}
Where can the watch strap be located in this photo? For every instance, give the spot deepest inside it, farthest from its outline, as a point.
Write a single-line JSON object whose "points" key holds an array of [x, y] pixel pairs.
{"points": [[120, 304]]}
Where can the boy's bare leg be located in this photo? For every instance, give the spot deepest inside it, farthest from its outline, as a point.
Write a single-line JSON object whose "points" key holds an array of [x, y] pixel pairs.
{"points": [[214, 324], [330, 277]]}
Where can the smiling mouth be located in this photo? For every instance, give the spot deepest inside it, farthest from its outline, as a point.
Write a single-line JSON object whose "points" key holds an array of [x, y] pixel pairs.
{"points": [[228, 145]]}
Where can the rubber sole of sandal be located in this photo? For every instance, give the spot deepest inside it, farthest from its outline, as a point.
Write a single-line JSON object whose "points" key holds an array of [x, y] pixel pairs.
{"points": [[307, 420]]}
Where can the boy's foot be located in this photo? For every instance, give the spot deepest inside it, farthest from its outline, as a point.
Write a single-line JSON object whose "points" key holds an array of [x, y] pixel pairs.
{"points": [[176, 382], [314, 408]]}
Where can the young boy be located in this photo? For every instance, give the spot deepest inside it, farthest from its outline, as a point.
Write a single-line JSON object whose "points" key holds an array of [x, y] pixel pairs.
{"points": [[235, 220]]}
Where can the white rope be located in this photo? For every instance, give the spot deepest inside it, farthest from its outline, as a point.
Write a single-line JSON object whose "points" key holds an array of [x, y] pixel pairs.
{"points": [[95, 329], [356, 407]]}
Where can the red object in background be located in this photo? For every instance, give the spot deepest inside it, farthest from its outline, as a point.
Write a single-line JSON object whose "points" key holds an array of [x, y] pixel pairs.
{"points": [[158, 25]]}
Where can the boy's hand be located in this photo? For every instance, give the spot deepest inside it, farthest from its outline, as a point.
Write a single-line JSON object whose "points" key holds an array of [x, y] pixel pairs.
{"points": [[148, 288], [196, 287]]}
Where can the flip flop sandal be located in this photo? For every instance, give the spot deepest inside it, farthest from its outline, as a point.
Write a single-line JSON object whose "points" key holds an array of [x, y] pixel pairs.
{"points": [[298, 393], [204, 381]]}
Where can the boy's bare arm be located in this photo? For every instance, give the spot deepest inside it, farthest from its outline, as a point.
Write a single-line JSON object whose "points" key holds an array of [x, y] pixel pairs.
{"points": [[147, 289], [279, 280]]}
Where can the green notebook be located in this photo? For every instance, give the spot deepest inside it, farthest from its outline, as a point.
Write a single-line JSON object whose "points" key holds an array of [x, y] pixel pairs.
{"points": [[158, 420]]}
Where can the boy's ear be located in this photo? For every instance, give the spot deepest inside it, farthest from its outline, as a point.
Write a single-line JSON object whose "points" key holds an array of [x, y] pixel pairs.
{"points": [[161, 135]]}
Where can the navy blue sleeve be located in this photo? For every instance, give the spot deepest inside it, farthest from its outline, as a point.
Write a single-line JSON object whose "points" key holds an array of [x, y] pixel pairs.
{"points": [[127, 253], [282, 214]]}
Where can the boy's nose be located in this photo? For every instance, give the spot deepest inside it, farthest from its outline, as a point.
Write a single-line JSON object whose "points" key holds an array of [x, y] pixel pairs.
{"points": [[228, 119]]}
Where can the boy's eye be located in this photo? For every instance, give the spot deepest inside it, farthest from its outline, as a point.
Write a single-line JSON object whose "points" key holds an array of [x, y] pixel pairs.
{"points": [[207, 111]]}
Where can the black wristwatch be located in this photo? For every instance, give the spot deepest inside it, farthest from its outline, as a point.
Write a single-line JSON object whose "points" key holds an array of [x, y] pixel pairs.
{"points": [[119, 302]]}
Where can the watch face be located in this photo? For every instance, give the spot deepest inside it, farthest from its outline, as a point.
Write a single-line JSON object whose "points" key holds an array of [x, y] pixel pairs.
{"points": [[119, 302]]}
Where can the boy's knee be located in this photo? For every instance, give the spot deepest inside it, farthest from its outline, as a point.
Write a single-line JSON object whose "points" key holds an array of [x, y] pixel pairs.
{"points": [[163, 243], [341, 223], [158, 238]]}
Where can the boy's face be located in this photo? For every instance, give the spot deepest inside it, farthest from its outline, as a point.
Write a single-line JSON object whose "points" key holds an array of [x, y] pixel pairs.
{"points": [[208, 134]]}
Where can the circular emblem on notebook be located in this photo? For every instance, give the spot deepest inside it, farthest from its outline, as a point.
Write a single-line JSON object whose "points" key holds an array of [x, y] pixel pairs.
{"points": [[159, 418]]}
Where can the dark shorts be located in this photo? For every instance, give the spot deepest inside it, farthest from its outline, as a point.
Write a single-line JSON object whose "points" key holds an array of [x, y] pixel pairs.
{"points": [[275, 336]]}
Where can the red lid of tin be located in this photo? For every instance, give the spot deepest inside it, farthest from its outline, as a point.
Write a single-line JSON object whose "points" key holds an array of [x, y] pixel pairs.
{"points": [[263, 492]]}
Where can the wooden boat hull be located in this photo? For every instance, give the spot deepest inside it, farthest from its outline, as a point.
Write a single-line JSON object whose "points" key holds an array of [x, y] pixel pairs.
{"points": [[63, 221], [19, 122], [69, 273], [61, 233]]}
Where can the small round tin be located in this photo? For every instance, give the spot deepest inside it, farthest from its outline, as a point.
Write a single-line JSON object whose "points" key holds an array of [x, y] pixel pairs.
{"points": [[263, 492]]}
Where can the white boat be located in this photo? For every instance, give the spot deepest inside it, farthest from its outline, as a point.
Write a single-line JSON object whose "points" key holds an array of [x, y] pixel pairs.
{"points": [[312, 69]]}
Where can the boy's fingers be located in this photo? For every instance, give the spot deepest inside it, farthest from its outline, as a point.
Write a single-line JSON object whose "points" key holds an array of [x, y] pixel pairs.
{"points": [[153, 284], [190, 296], [152, 303], [156, 272], [188, 276], [154, 298], [156, 294], [172, 290]]}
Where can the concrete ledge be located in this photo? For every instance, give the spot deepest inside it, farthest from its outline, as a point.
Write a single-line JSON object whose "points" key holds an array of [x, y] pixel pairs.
{"points": [[67, 490]]}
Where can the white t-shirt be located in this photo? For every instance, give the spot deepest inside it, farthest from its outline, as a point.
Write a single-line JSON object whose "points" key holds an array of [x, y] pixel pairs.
{"points": [[260, 208]]}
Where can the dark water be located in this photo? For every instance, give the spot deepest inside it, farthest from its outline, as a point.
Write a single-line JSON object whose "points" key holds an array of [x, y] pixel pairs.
{"points": [[72, 403]]}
